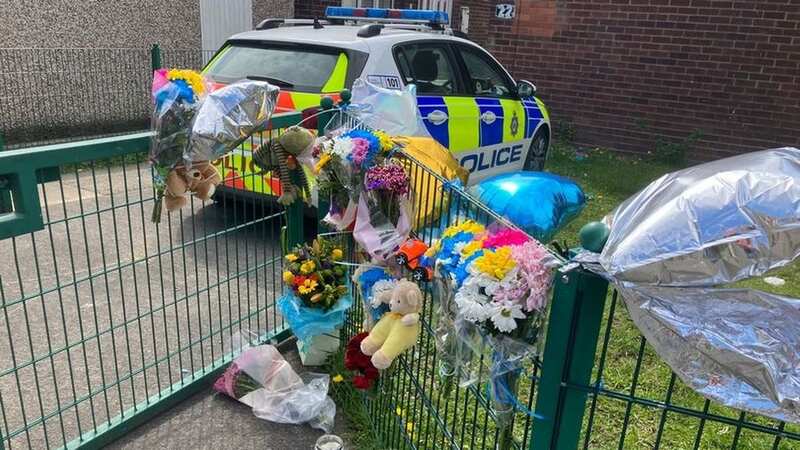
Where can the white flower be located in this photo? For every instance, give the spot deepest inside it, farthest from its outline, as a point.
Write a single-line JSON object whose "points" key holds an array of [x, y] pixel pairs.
{"points": [[472, 304], [342, 147], [503, 316]]}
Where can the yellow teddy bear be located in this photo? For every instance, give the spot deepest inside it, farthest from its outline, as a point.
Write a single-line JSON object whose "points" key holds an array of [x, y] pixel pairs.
{"points": [[398, 330]]}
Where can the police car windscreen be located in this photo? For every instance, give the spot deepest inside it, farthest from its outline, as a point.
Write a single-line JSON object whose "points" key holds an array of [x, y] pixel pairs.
{"points": [[294, 69]]}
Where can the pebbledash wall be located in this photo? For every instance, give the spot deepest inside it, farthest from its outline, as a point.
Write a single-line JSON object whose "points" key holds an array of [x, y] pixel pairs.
{"points": [[626, 73], [71, 69]]}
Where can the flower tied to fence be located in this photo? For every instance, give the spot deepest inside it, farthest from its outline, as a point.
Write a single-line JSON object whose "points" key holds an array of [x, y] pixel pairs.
{"points": [[493, 286]]}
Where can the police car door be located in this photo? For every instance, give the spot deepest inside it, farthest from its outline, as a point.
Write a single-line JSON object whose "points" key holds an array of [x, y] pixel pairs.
{"points": [[449, 112], [505, 131]]}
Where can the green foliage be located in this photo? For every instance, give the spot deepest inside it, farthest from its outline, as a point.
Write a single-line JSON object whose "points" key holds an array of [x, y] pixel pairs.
{"points": [[675, 152], [564, 132]]}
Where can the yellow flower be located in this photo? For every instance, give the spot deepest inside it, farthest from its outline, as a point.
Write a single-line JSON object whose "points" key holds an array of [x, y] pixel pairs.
{"points": [[472, 247], [323, 160], [307, 267], [496, 263], [399, 411], [386, 142], [409, 427], [291, 257], [192, 78], [337, 379], [469, 226], [337, 254], [433, 249], [288, 277], [307, 287]]}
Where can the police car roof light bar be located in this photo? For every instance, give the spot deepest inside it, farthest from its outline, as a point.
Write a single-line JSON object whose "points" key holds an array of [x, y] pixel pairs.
{"points": [[436, 19]]}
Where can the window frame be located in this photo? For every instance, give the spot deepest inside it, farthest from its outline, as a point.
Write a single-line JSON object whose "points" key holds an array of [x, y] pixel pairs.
{"points": [[459, 87], [356, 60], [492, 63]]}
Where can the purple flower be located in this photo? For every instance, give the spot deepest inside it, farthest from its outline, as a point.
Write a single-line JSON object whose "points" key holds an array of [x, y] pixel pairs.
{"points": [[389, 177]]}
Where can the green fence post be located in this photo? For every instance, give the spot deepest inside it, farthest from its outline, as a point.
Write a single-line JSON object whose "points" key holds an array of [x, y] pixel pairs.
{"points": [[575, 317], [325, 115], [155, 57], [5, 200]]}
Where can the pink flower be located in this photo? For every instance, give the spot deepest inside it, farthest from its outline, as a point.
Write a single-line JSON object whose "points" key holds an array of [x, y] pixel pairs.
{"points": [[227, 382], [360, 150], [504, 237], [534, 271]]}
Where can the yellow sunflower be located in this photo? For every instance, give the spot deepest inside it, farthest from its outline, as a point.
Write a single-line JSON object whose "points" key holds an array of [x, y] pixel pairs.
{"points": [[307, 287]]}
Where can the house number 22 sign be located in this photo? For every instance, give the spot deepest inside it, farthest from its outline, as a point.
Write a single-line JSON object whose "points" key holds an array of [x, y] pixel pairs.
{"points": [[504, 11]]}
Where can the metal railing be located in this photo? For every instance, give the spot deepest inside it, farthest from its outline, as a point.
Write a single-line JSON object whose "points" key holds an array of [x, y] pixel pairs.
{"points": [[106, 318], [596, 384]]}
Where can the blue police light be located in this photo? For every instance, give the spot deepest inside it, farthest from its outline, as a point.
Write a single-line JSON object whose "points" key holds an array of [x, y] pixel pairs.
{"points": [[385, 14]]}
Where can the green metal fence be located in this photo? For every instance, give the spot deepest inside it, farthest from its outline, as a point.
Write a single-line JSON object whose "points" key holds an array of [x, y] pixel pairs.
{"points": [[107, 318], [595, 385]]}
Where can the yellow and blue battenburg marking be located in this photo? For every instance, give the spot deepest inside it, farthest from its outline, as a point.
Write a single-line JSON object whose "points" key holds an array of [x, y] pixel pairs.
{"points": [[468, 123]]}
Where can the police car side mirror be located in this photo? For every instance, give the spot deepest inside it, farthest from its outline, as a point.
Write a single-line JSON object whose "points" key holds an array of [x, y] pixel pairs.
{"points": [[525, 89]]}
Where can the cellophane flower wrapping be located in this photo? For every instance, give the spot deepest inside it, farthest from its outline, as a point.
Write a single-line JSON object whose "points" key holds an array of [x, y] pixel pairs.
{"points": [[228, 116], [317, 294], [307, 322], [500, 280], [262, 379], [177, 96]]}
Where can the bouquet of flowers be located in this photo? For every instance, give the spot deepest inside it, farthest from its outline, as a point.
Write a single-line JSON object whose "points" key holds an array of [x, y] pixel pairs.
{"points": [[341, 161], [177, 95], [497, 282], [357, 361], [316, 295], [262, 379]]}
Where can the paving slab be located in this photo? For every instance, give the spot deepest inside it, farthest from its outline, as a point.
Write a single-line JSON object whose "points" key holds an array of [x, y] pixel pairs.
{"points": [[212, 421]]}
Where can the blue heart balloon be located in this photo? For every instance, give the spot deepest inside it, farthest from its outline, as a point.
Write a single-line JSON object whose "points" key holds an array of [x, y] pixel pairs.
{"points": [[540, 203]]}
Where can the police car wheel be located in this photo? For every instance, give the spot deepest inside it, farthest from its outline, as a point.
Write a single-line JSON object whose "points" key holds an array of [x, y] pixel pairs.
{"points": [[537, 153]]}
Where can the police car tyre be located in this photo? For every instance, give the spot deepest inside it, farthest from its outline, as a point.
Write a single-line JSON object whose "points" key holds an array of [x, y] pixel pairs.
{"points": [[537, 154]]}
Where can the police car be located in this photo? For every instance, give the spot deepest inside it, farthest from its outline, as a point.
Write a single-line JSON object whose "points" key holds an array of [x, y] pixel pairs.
{"points": [[468, 101]]}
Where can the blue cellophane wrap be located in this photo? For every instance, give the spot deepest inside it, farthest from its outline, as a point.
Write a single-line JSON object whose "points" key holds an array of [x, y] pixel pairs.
{"points": [[366, 281], [540, 203], [308, 322]]}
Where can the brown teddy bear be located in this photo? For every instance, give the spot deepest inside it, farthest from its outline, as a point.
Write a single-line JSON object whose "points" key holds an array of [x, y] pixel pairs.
{"points": [[398, 330], [200, 180]]}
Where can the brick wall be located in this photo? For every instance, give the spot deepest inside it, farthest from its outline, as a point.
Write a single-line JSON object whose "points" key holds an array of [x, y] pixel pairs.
{"points": [[309, 9], [627, 72]]}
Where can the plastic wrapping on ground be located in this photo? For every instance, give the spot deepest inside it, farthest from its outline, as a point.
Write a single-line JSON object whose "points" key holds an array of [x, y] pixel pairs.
{"points": [[228, 116], [672, 244], [281, 395], [307, 322], [393, 111], [558, 200], [378, 234]]}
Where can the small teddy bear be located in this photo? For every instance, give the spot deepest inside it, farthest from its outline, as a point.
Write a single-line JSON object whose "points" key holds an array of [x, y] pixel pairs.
{"points": [[398, 330], [200, 180], [281, 154]]}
